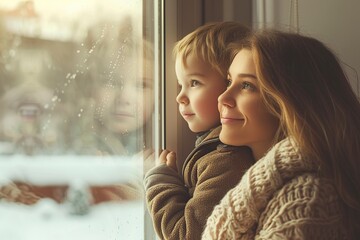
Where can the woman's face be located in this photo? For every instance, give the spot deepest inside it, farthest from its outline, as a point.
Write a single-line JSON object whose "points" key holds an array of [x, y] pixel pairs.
{"points": [[245, 119]]}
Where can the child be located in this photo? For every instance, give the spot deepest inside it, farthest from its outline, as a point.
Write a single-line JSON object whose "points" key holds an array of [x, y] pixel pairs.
{"points": [[180, 203], [121, 76], [122, 73], [290, 102]]}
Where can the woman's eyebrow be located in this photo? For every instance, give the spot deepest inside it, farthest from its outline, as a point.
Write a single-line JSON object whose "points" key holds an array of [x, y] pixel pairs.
{"points": [[244, 75]]}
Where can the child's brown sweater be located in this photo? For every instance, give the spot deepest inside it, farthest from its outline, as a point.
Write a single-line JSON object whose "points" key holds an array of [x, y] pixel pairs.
{"points": [[179, 204]]}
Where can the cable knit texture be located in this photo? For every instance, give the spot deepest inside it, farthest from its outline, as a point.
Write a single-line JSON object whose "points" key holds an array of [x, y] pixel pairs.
{"points": [[279, 197]]}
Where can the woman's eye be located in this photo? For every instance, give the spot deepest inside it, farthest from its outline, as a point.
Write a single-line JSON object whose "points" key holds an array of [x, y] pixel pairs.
{"points": [[248, 86], [194, 83], [228, 82]]}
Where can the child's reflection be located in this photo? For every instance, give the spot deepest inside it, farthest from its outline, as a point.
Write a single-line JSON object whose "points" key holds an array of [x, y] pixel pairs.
{"points": [[121, 71], [123, 108]]}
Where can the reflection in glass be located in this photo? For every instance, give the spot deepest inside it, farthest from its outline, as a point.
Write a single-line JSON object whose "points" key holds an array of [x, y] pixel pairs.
{"points": [[76, 117], [120, 78]]}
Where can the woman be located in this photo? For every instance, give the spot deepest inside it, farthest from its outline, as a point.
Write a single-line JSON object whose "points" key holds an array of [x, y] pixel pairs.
{"points": [[289, 100]]}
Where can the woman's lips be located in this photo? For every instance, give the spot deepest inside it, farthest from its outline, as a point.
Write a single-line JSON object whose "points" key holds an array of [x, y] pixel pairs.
{"points": [[230, 120]]}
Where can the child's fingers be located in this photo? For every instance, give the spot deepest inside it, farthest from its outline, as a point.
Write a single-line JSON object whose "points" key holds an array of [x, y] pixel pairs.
{"points": [[171, 160], [162, 158]]}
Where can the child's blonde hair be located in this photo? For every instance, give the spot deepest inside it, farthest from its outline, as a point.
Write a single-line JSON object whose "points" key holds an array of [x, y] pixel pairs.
{"points": [[210, 42]]}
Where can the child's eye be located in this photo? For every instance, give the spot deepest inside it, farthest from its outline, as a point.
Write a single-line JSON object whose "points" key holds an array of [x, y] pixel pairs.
{"points": [[144, 84], [141, 85], [194, 83]]}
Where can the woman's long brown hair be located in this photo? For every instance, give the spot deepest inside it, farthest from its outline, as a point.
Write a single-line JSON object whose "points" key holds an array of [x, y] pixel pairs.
{"points": [[303, 83]]}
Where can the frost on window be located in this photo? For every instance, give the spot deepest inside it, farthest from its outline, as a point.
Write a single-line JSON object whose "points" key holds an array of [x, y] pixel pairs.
{"points": [[76, 112]]}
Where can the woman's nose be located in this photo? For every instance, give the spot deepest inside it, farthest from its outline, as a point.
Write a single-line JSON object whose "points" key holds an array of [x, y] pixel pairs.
{"points": [[226, 99]]}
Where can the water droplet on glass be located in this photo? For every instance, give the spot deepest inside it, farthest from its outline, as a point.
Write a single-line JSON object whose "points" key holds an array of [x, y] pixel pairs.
{"points": [[54, 98], [78, 51]]}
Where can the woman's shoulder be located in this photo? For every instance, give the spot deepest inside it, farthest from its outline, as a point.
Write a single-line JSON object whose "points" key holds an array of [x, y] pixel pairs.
{"points": [[306, 204], [309, 188]]}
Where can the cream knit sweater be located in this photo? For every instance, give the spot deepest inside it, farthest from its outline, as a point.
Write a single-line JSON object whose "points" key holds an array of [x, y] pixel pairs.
{"points": [[279, 197]]}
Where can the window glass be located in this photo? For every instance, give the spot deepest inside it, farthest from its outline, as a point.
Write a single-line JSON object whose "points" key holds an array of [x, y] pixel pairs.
{"points": [[76, 118]]}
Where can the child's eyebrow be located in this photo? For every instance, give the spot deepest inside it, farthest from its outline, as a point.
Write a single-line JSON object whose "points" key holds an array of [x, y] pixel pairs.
{"points": [[148, 81], [196, 75]]}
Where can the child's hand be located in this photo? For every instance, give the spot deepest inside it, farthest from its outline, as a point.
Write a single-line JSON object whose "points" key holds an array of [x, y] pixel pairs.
{"points": [[162, 158], [167, 157], [171, 160]]}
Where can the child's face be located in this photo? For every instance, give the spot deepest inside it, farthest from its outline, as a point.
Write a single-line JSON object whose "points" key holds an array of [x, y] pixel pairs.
{"points": [[244, 116], [200, 87], [123, 102]]}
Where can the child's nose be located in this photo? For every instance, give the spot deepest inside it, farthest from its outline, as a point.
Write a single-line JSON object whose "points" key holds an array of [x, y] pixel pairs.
{"points": [[181, 98], [125, 94]]}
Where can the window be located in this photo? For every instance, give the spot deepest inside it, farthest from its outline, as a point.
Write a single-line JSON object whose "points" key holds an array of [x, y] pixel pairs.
{"points": [[78, 80], [87, 93]]}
